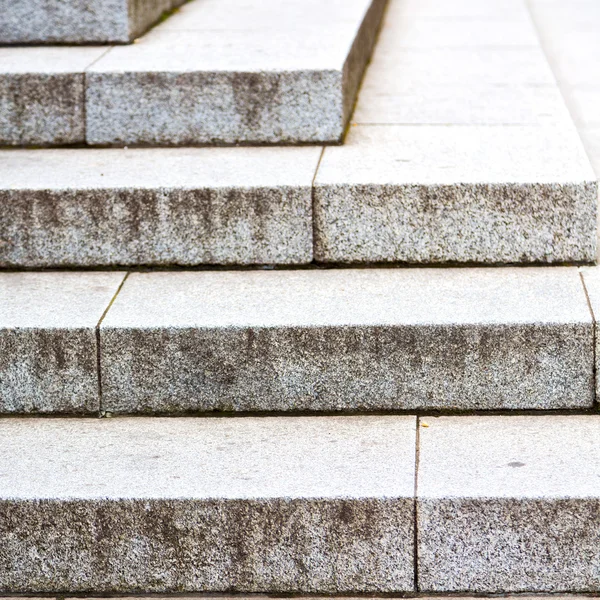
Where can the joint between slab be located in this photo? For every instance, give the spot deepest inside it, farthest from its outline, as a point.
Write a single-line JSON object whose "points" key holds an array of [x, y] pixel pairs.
{"points": [[98, 356], [594, 337], [415, 520]]}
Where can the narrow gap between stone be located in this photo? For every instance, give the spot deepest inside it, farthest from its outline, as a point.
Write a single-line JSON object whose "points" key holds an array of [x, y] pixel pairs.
{"points": [[98, 357], [594, 338], [312, 203], [415, 520]]}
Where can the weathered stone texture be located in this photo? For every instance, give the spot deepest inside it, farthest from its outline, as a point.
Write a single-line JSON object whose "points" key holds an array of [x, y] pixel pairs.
{"points": [[456, 194], [207, 505], [509, 504], [156, 207], [48, 356], [348, 340], [78, 21]]}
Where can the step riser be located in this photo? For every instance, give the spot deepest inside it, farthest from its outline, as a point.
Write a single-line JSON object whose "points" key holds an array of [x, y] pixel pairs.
{"points": [[157, 227], [274, 545], [291, 369]]}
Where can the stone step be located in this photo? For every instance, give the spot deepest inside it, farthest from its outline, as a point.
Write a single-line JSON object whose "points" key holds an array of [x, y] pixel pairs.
{"points": [[509, 504], [217, 72], [413, 195], [222, 505], [79, 21], [296, 341], [162, 206], [280, 505], [462, 150]]}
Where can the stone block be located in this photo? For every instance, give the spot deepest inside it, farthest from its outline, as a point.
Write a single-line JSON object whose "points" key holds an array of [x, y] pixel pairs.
{"points": [[42, 95], [271, 505], [509, 504], [48, 350], [168, 206], [438, 194], [78, 21], [188, 87], [331, 340]]}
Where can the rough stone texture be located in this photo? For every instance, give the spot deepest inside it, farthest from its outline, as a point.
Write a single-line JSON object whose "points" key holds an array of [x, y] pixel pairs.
{"points": [[42, 95], [348, 340], [185, 87], [214, 505], [48, 354], [509, 504], [460, 194], [78, 21], [156, 206]]}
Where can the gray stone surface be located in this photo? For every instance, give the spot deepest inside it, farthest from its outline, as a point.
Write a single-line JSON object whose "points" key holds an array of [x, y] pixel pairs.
{"points": [[78, 21], [185, 86], [90, 207], [319, 505], [458, 71], [509, 504], [459, 194], [42, 95], [348, 340], [48, 351]]}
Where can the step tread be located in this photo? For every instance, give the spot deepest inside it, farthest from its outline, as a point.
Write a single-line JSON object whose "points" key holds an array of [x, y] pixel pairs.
{"points": [[350, 297], [216, 459]]}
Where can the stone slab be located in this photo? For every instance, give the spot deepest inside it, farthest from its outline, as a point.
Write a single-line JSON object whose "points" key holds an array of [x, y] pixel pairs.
{"points": [[93, 207], [296, 84], [456, 194], [514, 10], [78, 21], [351, 339], [323, 505], [428, 32], [509, 504], [48, 350], [385, 101], [42, 94]]}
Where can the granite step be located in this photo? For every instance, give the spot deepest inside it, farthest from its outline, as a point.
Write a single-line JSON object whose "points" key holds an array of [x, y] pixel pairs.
{"points": [[159, 207], [79, 21], [462, 150], [408, 195], [291, 341], [508, 504], [216, 72], [317, 505], [207, 505]]}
